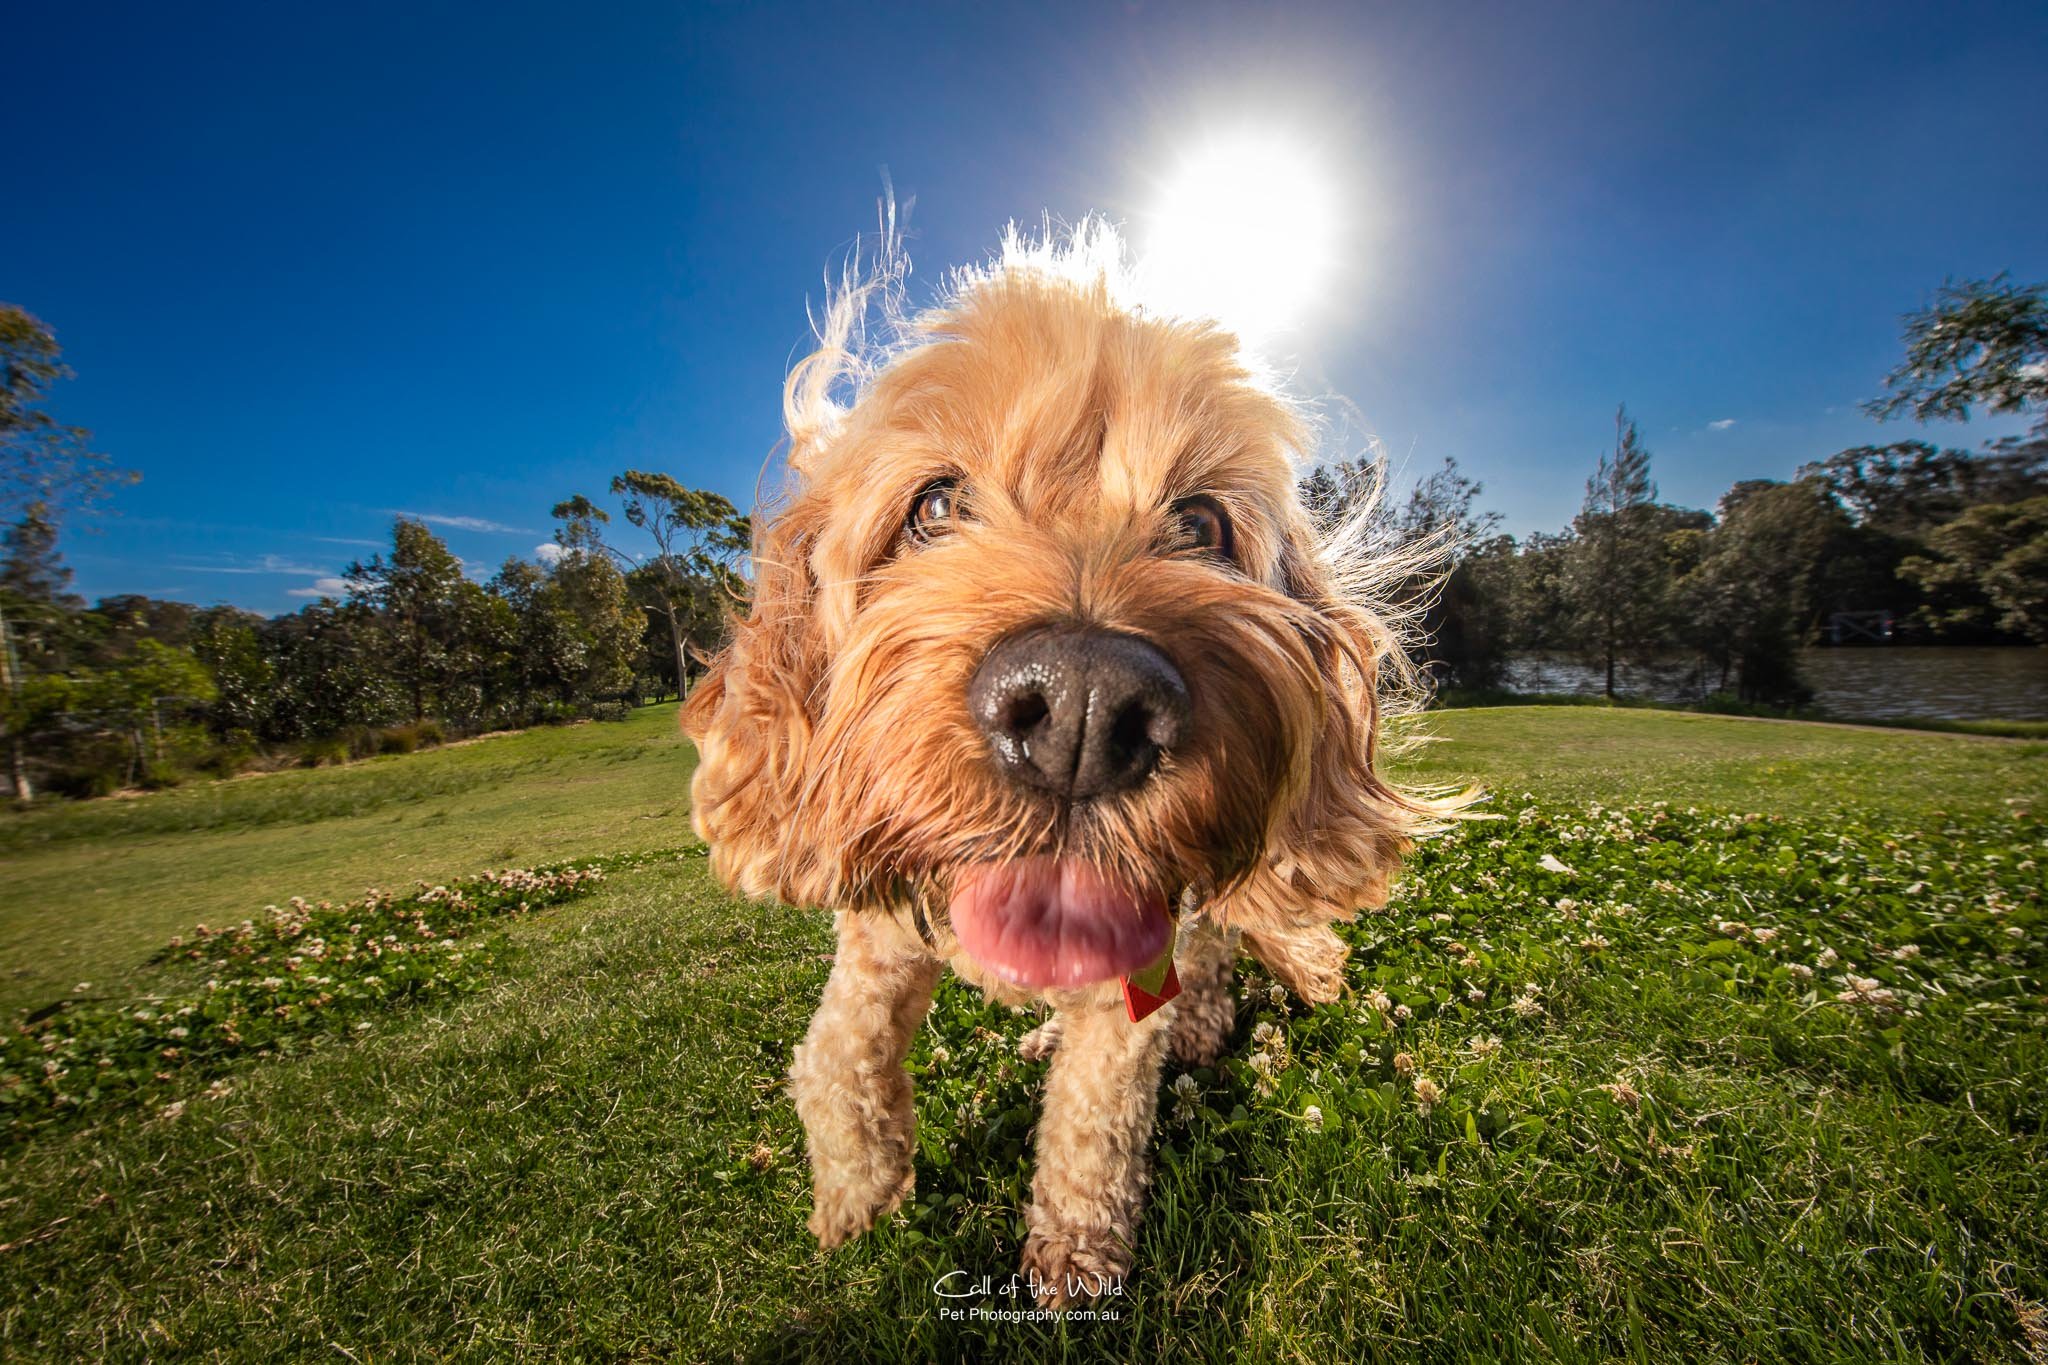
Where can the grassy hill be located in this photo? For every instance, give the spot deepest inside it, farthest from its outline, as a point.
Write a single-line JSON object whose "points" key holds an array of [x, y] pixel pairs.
{"points": [[1658, 1128]]}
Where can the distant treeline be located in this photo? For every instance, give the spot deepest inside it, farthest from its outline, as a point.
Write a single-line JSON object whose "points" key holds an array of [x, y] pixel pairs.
{"points": [[1912, 542], [1935, 544], [139, 691]]}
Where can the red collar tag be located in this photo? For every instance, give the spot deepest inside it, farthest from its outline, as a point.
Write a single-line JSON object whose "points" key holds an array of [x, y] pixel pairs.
{"points": [[1152, 985]]}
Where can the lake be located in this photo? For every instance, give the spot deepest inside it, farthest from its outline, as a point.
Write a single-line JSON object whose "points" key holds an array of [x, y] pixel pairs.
{"points": [[1928, 682]]}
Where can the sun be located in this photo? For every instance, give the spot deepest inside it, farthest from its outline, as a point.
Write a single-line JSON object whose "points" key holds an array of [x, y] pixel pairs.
{"points": [[1244, 230]]}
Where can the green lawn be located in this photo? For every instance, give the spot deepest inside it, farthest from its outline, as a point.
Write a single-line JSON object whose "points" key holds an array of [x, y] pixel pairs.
{"points": [[1681, 1145]]}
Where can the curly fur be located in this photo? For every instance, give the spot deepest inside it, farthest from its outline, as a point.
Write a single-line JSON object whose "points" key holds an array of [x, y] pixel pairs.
{"points": [[840, 767]]}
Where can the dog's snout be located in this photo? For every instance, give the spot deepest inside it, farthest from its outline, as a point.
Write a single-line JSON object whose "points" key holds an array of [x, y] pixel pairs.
{"points": [[1077, 712]]}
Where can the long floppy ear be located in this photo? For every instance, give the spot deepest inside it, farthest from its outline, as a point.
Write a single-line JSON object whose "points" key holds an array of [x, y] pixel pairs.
{"points": [[1336, 850], [751, 717]]}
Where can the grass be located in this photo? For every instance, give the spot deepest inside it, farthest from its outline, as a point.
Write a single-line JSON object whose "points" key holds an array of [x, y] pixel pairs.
{"points": [[1682, 1144], [114, 878]]}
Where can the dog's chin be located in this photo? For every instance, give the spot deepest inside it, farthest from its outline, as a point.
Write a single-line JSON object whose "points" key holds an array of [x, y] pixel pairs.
{"points": [[1052, 923]]}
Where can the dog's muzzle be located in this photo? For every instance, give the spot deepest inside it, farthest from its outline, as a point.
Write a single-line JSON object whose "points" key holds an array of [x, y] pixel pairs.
{"points": [[1077, 712]]}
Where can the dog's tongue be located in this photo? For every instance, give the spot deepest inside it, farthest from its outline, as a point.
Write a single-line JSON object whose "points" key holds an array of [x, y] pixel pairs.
{"points": [[1057, 922]]}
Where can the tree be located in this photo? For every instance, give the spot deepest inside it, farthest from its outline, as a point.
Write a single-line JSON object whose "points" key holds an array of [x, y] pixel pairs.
{"points": [[1753, 594], [698, 536], [46, 470], [1988, 569], [414, 595], [1909, 487], [1615, 581], [1982, 343], [131, 695], [242, 676]]}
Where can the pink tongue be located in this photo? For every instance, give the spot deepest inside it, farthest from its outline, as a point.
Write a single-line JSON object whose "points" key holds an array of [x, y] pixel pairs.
{"points": [[1057, 922]]}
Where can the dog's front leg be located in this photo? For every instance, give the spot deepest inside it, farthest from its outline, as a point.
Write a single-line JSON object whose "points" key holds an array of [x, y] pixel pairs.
{"points": [[848, 1079], [1092, 1147]]}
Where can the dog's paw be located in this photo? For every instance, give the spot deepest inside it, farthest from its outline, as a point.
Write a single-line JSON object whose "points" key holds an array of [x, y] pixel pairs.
{"points": [[840, 1213], [1041, 1042], [1063, 1267], [1201, 1030]]}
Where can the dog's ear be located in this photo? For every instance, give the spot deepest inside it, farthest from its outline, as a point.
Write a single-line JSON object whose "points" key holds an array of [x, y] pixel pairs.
{"points": [[1336, 848], [751, 717]]}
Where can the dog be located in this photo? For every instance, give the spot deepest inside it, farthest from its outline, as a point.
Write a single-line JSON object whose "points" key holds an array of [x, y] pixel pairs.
{"points": [[1046, 677]]}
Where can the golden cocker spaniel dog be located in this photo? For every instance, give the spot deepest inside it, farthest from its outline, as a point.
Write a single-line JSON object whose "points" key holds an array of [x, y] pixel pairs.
{"points": [[1047, 678]]}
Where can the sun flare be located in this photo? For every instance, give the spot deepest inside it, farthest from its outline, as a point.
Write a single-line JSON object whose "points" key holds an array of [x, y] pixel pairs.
{"points": [[1245, 230]]}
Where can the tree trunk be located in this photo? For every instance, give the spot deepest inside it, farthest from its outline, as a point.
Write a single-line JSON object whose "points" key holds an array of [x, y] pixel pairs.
{"points": [[17, 758], [17, 769], [675, 633]]}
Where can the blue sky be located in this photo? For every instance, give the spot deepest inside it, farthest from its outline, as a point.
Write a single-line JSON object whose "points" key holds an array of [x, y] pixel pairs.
{"points": [[318, 265]]}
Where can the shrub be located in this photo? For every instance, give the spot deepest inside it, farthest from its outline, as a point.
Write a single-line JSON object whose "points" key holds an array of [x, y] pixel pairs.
{"points": [[324, 751], [158, 777], [399, 739], [610, 710]]}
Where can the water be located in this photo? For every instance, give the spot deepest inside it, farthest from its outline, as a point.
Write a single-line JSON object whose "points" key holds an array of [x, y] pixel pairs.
{"points": [[1929, 682]]}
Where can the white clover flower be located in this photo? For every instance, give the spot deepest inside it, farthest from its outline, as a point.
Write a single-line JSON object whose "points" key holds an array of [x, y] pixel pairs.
{"points": [[1313, 1117], [1404, 1065], [181, 1032], [1906, 952], [1278, 994], [1828, 958], [1475, 995], [1262, 1033], [1484, 1047], [1379, 1000], [1403, 1013], [1427, 1093], [1763, 935], [1800, 971], [1186, 1086], [940, 1056]]}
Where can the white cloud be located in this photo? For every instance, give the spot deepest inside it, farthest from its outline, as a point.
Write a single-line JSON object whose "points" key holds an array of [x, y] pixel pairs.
{"points": [[349, 540], [1722, 424], [464, 523], [322, 587], [267, 564], [548, 553]]}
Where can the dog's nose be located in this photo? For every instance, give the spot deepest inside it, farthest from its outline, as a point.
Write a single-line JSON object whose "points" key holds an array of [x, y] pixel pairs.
{"points": [[1078, 712]]}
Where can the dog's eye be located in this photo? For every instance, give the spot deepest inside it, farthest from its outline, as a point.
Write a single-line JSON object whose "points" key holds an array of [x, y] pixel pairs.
{"points": [[1204, 525], [933, 509]]}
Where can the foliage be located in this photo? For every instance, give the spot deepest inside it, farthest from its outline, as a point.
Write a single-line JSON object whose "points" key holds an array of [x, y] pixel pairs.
{"points": [[1981, 343], [45, 466], [1617, 577], [1988, 567], [1908, 488], [691, 579]]}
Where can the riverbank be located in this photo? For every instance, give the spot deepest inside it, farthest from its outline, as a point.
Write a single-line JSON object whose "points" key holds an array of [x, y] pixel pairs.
{"points": [[1467, 698], [1866, 684]]}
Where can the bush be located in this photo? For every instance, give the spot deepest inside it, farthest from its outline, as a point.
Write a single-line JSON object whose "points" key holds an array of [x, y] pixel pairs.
{"points": [[158, 777], [324, 751], [399, 739], [610, 710]]}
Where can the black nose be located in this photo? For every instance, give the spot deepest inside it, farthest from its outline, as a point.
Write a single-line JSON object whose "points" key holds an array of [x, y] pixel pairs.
{"points": [[1078, 712]]}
